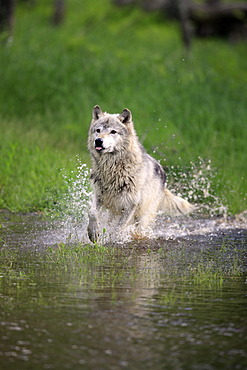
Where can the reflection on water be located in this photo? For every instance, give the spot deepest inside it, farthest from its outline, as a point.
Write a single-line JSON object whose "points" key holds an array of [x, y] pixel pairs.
{"points": [[167, 303]]}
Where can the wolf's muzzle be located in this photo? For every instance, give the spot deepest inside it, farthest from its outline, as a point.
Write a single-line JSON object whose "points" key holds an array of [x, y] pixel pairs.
{"points": [[98, 144]]}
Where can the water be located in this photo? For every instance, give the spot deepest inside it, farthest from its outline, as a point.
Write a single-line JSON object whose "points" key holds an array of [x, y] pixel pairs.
{"points": [[175, 301]]}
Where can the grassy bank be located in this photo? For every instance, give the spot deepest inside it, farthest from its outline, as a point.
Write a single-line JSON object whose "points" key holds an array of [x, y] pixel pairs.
{"points": [[184, 106]]}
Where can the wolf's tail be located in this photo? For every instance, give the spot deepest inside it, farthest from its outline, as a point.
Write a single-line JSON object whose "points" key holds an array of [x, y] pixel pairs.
{"points": [[174, 205]]}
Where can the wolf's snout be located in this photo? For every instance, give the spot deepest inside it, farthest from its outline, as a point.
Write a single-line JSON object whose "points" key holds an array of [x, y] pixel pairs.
{"points": [[98, 144]]}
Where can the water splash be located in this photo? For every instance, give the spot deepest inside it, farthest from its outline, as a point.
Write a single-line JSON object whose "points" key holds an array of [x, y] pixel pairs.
{"points": [[71, 209], [76, 201], [196, 183], [67, 221]]}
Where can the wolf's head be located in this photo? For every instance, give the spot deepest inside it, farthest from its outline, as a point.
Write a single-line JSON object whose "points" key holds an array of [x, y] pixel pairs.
{"points": [[109, 133]]}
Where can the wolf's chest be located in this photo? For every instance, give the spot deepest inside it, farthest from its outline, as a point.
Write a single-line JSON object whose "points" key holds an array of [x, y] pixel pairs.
{"points": [[117, 185], [115, 192]]}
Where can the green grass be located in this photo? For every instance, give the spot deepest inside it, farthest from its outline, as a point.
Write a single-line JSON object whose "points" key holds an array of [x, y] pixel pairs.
{"points": [[98, 267], [185, 105]]}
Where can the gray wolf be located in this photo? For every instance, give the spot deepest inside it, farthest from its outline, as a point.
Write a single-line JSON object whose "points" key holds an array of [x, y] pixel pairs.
{"points": [[126, 180]]}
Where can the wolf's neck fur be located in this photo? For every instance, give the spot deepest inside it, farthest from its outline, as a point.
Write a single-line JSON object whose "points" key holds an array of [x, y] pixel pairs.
{"points": [[116, 172]]}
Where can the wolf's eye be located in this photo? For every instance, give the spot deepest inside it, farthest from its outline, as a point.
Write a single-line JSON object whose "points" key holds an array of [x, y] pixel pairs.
{"points": [[113, 132], [98, 130]]}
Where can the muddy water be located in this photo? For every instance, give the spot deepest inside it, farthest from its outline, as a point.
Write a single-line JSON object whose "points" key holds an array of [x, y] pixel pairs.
{"points": [[173, 301]]}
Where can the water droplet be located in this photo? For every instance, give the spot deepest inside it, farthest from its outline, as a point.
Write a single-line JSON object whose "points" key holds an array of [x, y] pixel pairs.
{"points": [[108, 351]]}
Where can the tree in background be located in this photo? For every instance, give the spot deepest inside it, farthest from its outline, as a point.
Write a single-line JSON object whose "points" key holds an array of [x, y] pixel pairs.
{"points": [[205, 18], [7, 12], [58, 12]]}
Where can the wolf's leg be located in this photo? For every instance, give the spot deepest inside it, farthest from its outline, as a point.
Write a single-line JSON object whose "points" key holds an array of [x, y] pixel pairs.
{"points": [[126, 217], [147, 213], [93, 225], [146, 220]]}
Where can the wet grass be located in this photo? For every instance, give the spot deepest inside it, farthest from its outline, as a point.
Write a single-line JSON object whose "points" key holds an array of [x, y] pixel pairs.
{"points": [[184, 105], [98, 267]]}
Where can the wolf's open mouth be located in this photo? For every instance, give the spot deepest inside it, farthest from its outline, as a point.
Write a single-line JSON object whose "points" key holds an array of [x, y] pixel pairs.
{"points": [[98, 144]]}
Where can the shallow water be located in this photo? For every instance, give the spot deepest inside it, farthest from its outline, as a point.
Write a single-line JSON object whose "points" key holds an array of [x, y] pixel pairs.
{"points": [[173, 301]]}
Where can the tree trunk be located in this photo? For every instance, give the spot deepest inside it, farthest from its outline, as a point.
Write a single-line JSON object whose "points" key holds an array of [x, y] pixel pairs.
{"points": [[58, 12], [7, 11]]}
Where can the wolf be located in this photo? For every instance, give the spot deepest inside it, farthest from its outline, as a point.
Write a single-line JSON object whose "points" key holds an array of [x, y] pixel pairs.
{"points": [[126, 180]]}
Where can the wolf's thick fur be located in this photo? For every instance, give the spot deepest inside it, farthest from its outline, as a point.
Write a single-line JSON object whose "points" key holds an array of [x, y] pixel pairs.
{"points": [[127, 181]]}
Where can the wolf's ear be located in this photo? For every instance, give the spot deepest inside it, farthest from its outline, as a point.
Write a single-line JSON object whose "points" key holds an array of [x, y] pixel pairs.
{"points": [[125, 116], [97, 112]]}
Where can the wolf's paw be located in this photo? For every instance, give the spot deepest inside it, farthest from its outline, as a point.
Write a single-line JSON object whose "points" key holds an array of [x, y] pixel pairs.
{"points": [[138, 236]]}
